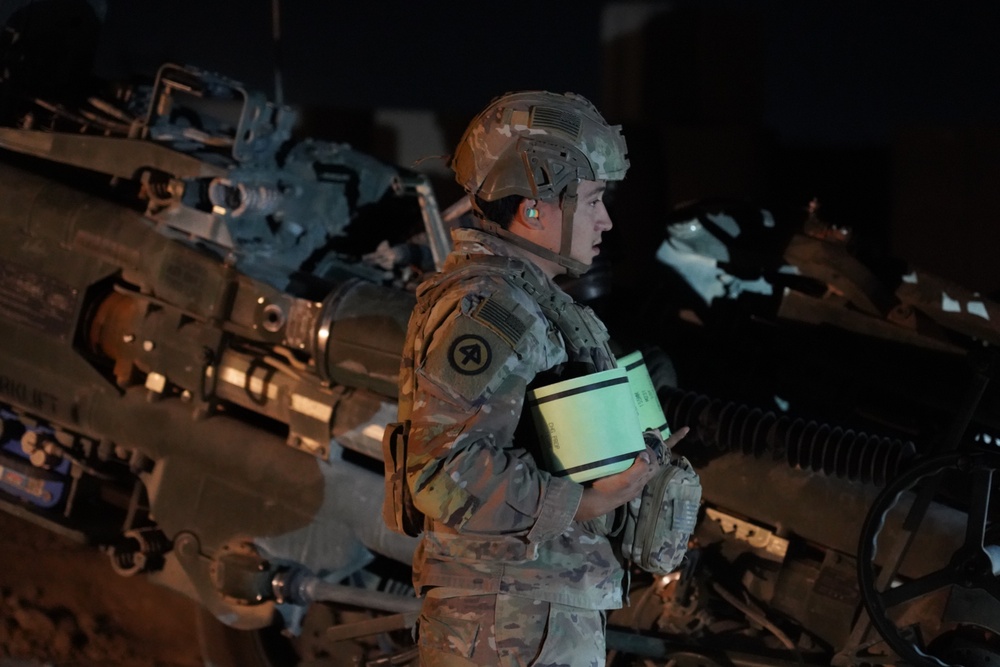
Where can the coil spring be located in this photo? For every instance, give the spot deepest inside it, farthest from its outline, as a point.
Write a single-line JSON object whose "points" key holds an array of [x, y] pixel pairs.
{"points": [[128, 558], [158, 187], [139, 550], [804, 444], [260, 199]]}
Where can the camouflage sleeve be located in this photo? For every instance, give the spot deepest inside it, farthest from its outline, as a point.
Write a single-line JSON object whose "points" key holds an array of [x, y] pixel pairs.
{"points": [[463, 466]]}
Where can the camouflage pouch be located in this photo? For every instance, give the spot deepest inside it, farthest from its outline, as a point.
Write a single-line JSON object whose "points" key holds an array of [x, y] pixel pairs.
{"points": [[660, 521], [398, 510]]}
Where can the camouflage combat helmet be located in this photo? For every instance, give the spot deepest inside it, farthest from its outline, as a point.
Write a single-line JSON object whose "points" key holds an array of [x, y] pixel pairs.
{"points": [[538, 145]]}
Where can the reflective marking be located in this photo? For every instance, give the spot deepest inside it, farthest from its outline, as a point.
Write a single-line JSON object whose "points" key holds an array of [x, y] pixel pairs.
{"points": [[950, 305], [977, 308], [156, 382], [239, 378], [312, 408]]}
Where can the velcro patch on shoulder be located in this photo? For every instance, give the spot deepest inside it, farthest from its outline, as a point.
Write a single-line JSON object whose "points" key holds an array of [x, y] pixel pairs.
{"points": [[496, 315], [471, 361]]}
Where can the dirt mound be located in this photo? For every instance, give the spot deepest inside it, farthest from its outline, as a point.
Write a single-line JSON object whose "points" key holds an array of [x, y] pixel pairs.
{"points": [[62, 605], [59, 634]]}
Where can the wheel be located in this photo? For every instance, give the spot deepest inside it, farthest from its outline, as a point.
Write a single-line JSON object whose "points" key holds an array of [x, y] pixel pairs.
{"points": [[966, 589], [222, 646], [958, 650]]}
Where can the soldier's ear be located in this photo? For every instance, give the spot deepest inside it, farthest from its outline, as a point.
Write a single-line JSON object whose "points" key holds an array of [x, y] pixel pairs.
{"points": [[528, 214]]}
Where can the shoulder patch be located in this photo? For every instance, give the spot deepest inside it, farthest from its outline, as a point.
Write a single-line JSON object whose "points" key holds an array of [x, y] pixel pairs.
{"points": [[504, 322], [469, 361], [470, 354], [485, 333]]}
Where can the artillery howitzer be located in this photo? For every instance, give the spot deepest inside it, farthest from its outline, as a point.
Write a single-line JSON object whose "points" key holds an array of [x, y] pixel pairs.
{"points": [[197, 369]]}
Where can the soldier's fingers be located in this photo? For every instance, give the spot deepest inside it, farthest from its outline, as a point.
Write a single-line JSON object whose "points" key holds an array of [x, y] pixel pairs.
{"points": [[677, 436], [638, 473], [639, 467], [641, 470]]}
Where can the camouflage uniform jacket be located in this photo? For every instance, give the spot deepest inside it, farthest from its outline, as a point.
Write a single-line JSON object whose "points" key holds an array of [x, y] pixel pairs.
{"points": [[495, 522]]}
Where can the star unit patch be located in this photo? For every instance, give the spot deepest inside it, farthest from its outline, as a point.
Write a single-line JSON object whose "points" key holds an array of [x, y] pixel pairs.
{"points": [[470, 354]]}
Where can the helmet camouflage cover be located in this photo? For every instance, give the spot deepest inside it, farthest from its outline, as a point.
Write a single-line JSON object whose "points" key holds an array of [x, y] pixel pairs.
{"points": [[534, 144]]}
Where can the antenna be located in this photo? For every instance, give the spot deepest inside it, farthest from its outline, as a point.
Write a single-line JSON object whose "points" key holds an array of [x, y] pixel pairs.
{"points": [[279, 97]]}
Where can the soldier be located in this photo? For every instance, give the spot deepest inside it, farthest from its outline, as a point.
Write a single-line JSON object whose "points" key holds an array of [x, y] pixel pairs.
{"points": [[515, 564]]}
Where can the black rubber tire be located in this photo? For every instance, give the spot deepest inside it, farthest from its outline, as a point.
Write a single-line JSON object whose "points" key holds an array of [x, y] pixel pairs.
{"points": [[222, 646]]}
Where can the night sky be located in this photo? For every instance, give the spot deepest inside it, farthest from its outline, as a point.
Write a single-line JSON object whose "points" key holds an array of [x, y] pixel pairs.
{"points": [[829, 71], [885, 111]]}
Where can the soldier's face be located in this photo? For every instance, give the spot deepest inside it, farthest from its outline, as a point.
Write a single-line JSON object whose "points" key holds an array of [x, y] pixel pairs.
{"points": [[590, 221]]}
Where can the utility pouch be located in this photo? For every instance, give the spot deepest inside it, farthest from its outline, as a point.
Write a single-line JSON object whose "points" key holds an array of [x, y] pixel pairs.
{"points": [[659, 523], [398, 510]]}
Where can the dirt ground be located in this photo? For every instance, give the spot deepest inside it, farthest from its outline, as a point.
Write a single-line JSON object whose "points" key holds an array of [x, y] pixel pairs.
{"points": [[61, 605]]}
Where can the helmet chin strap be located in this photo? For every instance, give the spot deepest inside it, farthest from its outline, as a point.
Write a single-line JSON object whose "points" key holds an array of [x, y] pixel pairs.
{"points": [[568, 204], [568, 200]]}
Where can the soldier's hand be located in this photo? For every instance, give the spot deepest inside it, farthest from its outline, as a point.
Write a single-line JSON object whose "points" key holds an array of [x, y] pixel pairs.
{"points": [[654, 439], [607, 493]]}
